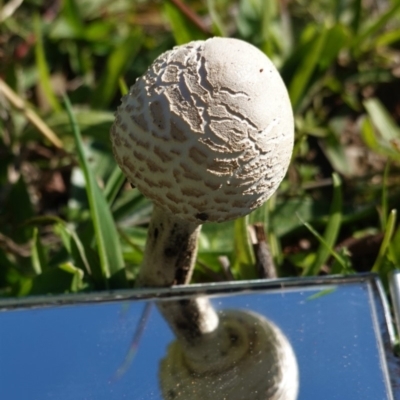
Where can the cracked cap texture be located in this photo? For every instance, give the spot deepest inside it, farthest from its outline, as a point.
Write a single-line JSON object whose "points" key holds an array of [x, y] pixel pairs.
{"points": [[207, 132]]}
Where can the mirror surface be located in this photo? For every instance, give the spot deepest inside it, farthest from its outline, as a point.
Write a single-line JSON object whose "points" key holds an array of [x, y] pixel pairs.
{"points": [[113, 350]]}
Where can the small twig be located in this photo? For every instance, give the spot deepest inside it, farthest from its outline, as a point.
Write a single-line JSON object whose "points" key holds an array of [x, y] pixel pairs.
{"points": [[191, 15], [264, 263], [30, 115], [128, 240], [226, 266], [317, 185]]}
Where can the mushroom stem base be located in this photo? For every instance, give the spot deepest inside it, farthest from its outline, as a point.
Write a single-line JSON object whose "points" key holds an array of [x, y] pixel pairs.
{"points": [[170, 252]]}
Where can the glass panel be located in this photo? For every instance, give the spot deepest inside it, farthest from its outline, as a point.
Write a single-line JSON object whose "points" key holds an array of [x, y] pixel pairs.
{"points": [[115, 350]]}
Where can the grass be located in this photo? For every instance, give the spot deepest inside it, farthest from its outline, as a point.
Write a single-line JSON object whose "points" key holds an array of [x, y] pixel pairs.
{"points": [[68, 220]]}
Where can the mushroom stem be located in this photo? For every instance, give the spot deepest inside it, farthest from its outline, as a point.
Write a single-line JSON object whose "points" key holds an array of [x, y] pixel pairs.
{"points": [[170, 252], [169, 258]]}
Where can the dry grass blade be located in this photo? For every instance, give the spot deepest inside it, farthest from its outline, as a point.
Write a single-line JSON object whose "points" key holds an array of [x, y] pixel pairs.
{"points": [[9, 9], [30, 115]]}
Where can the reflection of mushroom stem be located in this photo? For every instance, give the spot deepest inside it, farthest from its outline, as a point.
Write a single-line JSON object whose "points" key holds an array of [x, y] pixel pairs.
{"points": [[194, 322], [246, 357], [170, 251]]}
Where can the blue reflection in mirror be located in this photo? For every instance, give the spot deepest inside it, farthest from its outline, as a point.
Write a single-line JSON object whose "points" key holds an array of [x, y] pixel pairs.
{"points": [[75, 351]]}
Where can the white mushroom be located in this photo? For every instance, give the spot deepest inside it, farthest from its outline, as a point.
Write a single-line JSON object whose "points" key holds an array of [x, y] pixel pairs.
{"points": [[206, 134]]}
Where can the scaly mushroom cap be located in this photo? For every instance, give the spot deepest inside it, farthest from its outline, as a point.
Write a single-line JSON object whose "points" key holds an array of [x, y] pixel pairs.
{"points": [[207, 133]]}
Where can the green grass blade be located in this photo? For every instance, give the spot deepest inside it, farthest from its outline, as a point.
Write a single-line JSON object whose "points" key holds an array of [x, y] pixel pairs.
{"points": [[106, 234], [321, 293], [368, 134], [77, 276], [339, 7], [268, 11], [64, 278], [336, 154], [219, 28], [38, 255], [388, 233], [387, 140], [385, 197], [71, 13], [73, 245], [123, 87], [337, 38], [327, 246], [273, 238], [331, 231], [315, 53], [84, 257], [117, 63], [394, 248], [382, 120], [388, 38], [114, 185], [376, 25], [117, 178], [184, 31], [301, 79], [41, 63], [244, 262], [356, 17]]}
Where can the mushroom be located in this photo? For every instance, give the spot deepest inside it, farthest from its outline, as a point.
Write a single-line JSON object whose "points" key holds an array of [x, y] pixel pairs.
{"points": [[207, 135], [255, 361]]}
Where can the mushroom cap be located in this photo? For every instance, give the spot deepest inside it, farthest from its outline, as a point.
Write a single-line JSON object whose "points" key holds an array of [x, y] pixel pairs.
{"points": [[207, 132], [266, 368]]}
